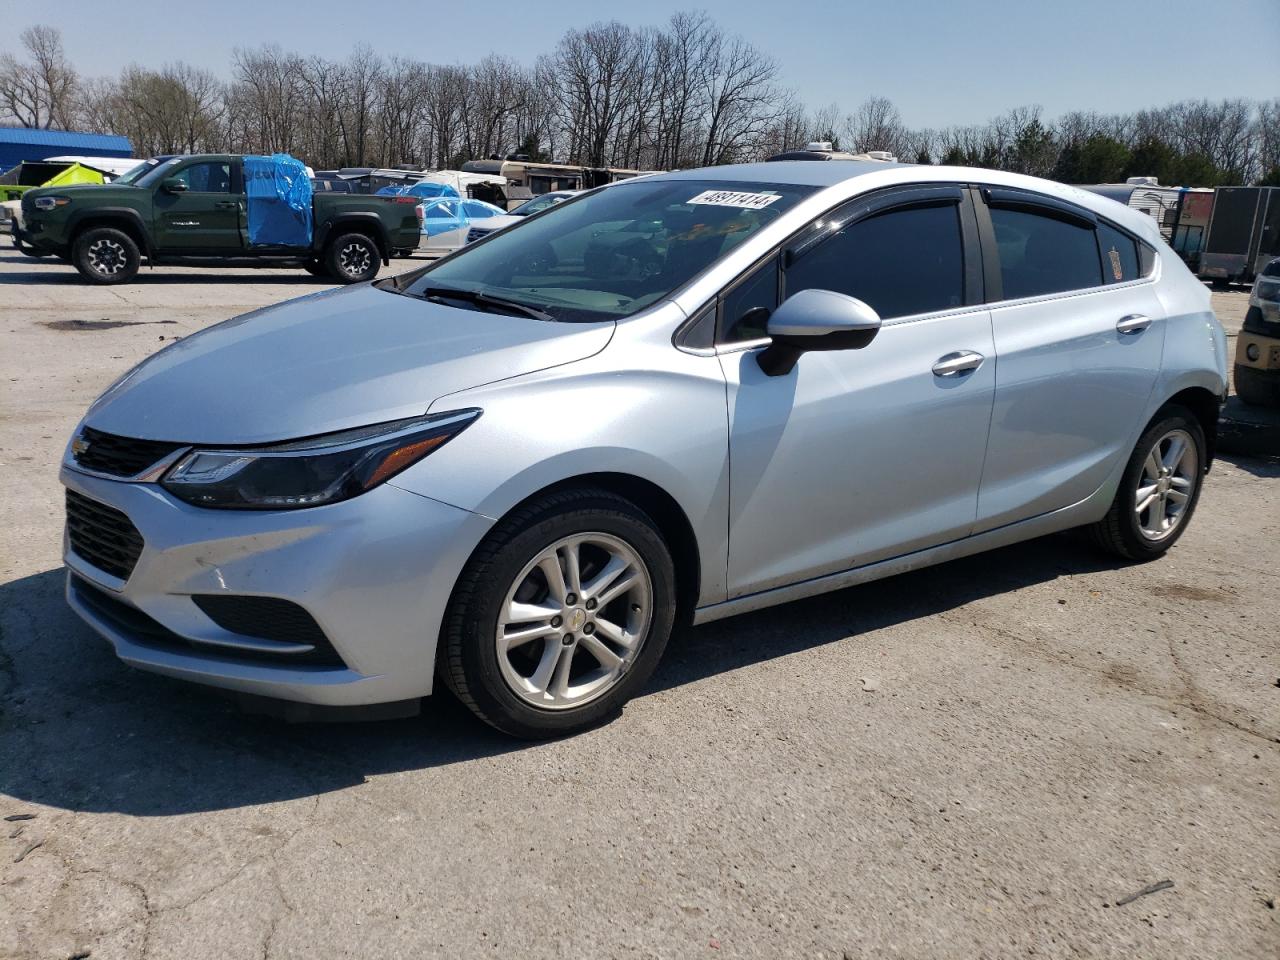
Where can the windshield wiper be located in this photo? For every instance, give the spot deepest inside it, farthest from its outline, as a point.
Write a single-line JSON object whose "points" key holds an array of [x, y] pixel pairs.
{"points": [[439, 294]]}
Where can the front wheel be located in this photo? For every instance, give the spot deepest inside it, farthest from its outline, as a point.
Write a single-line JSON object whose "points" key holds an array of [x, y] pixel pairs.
{"points": [[560, 616], [352, 258], [106, 255], [1159, 489]]}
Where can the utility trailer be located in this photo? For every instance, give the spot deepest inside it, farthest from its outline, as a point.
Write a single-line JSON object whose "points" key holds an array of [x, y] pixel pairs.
{"points": [[1243, 235], [1180, 213]]}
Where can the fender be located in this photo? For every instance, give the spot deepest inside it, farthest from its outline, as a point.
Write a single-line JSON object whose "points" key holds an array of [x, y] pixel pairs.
{"points": [[112, 213], [362, 218]]}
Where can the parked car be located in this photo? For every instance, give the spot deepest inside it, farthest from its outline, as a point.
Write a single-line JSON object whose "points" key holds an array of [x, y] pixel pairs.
{"points": [[55, 171], [445, 221], [193, 209], [686, 396], [1257, 366], [482, 228]]}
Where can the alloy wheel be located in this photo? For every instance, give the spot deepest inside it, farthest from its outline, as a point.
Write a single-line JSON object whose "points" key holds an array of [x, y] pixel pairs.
{"points": [[354, 259], [1165, 485], [573, 621], [107, 257]]}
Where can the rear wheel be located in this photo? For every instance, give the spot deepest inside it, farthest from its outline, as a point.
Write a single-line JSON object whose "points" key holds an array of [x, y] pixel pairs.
{"points": [[352, 258], [1159, 489], [106, 255], [560, 616]]}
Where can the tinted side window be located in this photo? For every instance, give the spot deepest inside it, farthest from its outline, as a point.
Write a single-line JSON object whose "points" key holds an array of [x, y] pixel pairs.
{"points": [[1119, 254], [209, 177], [1042, 254], [745, 309], [899, 262]]}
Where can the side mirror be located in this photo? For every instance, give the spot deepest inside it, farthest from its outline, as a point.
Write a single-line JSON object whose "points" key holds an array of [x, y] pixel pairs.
{"points": [[173, 185], [816, 320]]}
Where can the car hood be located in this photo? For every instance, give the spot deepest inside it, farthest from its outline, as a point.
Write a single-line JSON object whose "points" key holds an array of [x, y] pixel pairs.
{"points": [[330, 361]]}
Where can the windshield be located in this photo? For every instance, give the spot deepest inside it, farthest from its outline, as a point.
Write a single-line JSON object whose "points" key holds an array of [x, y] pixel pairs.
{"points": [[135, 173], [539, 203], [152, 176], [611, 252]]}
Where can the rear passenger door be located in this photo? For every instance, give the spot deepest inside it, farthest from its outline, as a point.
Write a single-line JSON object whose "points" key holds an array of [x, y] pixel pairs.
{"points": [[1079, 334]]}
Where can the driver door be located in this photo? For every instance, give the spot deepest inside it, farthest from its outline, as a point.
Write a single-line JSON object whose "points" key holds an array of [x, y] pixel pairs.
{"points": [[857, 456], [205, 217]]}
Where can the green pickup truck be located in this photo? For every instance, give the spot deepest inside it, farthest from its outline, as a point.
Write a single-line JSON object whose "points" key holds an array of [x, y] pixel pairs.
{"points": [[193, 210]]}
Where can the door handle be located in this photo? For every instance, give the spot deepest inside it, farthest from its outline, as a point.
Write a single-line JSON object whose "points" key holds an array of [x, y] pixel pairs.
{"points": [[954, 364], [1133, 323], [226, 205]]}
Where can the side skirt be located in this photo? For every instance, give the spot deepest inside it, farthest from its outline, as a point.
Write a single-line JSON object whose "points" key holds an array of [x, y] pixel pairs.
{"points": [[1077, 514]]}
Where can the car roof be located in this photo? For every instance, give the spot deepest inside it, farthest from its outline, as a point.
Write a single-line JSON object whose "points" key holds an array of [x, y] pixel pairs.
{"points": [[799, 172], [880, 174]]}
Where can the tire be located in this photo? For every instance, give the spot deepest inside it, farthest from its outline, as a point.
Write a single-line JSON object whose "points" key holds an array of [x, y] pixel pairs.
{"points": [[1257, 388], [521, 692], [1142, 536], [352, 258], [106, 255]]}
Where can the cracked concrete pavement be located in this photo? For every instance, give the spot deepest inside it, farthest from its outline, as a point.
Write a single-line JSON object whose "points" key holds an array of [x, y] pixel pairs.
{"points": [[1050, 733]]}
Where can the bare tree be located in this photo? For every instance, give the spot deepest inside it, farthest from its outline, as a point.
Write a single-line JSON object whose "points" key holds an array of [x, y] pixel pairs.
{"points": [[875, 125], [39, 91]]}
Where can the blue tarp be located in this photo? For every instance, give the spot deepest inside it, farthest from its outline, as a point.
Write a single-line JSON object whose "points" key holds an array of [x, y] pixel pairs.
{"points": [[279, 199], [424, 190]]}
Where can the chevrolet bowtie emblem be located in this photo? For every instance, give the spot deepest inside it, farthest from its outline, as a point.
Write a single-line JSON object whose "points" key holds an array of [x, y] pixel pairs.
{"points": [[79, 445]]}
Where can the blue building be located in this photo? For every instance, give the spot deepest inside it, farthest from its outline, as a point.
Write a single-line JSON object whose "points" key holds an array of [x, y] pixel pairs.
{"points": [[22, 143]]}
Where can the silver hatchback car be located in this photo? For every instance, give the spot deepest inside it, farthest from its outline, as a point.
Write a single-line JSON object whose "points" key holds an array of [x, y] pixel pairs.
{"points": [[688, 395]]}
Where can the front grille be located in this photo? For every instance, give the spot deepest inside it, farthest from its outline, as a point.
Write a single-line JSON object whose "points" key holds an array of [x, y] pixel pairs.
{"points": [[102, 536], [144, 630], [475, 234], [119, 456], [269, 618]]}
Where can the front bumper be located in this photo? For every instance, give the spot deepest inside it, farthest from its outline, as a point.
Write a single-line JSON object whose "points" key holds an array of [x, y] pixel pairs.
{"points": [[1265, 351], [375, 572]]}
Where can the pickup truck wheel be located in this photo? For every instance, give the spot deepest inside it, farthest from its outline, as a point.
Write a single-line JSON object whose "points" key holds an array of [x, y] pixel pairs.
{"points": [[106, 255], [352, 258]]}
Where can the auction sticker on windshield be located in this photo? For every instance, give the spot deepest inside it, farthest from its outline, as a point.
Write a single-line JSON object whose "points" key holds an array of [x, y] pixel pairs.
{"points": [[731, 198]]}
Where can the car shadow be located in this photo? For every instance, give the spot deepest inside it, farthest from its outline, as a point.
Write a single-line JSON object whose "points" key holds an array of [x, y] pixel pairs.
{"points": [[67, 276], [1267, 467], [80, 731]]}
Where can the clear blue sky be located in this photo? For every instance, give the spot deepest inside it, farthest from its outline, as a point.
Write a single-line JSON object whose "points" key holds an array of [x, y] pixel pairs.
{"points": [[941, 62]]}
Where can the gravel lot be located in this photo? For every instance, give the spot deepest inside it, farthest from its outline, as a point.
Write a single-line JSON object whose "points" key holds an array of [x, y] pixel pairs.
{"points": [[981, 759]]}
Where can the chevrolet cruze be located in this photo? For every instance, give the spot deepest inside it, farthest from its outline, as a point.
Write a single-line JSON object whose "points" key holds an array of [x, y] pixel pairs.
{"points": [[688, 395]]}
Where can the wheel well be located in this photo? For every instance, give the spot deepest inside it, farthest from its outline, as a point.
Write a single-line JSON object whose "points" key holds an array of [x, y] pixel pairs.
{"points": [[672, 523], [357, 226], [123, 224], [1204, 405]]}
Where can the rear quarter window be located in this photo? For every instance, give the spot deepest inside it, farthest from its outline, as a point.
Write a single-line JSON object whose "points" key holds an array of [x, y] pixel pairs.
{"points": [[1119, 251]]}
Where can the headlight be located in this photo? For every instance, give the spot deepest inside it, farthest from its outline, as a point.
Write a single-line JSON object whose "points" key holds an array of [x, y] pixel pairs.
{"points": [[308, 473], [1266, 291], [48, 203]]}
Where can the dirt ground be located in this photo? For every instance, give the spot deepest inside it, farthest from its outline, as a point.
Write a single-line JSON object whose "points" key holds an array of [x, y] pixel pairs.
{"points": [[982, 759]]}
